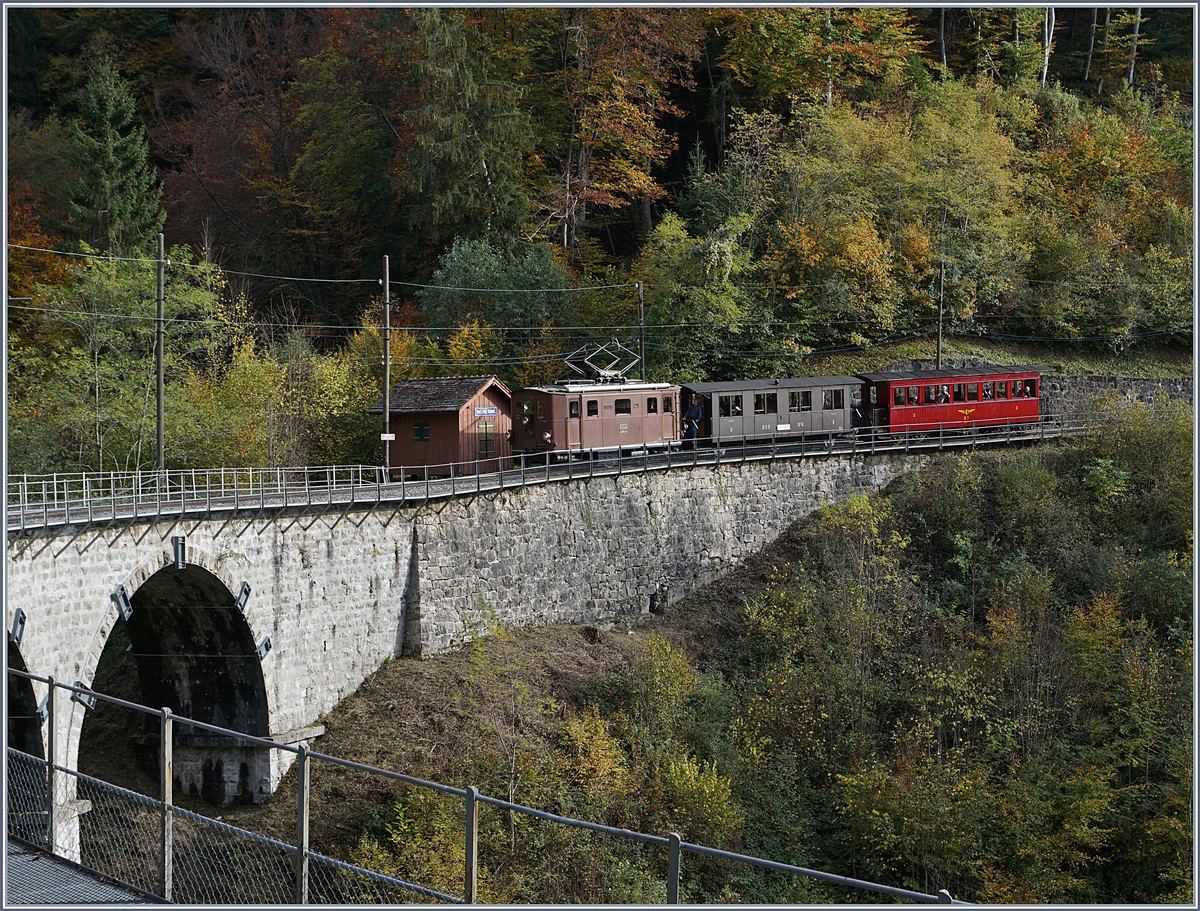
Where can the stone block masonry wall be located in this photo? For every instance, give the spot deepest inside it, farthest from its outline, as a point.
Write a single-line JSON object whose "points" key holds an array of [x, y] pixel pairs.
{"points": [[605, 551]]}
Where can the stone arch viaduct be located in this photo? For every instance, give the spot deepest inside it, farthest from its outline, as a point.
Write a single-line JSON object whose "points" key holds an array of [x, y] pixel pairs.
{"points": [[262, 623], [262, 620]]}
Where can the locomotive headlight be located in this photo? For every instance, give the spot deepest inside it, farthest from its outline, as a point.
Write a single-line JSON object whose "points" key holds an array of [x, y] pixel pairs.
{"points": [[546, 437], [508, 435]]}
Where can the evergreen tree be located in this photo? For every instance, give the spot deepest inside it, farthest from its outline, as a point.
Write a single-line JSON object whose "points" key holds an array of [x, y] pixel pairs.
{"points": [[117, 198]]}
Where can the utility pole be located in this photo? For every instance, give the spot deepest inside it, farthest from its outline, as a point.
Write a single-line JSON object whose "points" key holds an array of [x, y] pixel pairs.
{"points": [[158, 352], [941, 300], [642, 329], [387, 370]]}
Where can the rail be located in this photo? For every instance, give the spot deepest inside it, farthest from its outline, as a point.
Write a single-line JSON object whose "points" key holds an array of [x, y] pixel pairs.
{"points": [[84, 499], [183, 856]]}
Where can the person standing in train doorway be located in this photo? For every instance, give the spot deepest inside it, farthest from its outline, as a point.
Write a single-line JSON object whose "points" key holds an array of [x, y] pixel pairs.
{"points": [[691, 421]]}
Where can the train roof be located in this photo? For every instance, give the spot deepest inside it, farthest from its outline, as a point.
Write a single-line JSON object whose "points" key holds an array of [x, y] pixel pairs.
{"points": [[952, 373], [571, 387], [788, 382]]}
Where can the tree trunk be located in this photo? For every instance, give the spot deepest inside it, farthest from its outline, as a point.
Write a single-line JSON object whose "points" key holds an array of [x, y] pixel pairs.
{"points": [[1137, 27], [1087, 67], [942, 34], [1047, 39]]}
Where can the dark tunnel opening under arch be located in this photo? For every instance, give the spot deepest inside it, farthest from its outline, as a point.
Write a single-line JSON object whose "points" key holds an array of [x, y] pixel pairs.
{"points": [[24, 727], [188, 648]]}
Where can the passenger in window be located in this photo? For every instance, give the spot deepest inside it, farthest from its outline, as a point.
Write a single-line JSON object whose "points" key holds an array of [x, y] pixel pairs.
{"points": [[1031, 388], [987, 391], [943, 395]]}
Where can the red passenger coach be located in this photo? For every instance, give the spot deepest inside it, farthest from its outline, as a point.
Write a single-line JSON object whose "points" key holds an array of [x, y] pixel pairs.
{"points": [[924, 400]]}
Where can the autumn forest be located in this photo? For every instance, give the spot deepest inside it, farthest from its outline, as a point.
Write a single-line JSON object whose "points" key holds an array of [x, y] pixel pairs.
{"points": [[779, 182]]}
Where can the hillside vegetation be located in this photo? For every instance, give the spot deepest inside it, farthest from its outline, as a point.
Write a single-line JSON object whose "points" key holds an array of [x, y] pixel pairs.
{"points": [[978, 681], [774, 187]]}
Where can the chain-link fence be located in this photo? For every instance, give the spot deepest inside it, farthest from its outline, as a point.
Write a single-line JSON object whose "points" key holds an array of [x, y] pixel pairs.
{"points": [[190, 858]]}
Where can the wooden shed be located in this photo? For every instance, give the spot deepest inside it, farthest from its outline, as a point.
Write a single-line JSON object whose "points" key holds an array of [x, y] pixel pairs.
{"points": [[438, 422]]}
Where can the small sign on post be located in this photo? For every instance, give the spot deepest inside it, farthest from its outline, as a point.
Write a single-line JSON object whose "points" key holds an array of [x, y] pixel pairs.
{"points": [[387, 436], [486, 412]]}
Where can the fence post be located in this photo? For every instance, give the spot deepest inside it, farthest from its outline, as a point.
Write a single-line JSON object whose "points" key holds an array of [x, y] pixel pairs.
{"points": [[51, 774], [471, 874], [302, 801], [166, 857], [673, 869]]}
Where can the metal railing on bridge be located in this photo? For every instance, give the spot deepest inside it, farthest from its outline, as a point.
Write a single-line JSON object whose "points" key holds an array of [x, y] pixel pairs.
{"points": [[187, 857], [84, 499]]}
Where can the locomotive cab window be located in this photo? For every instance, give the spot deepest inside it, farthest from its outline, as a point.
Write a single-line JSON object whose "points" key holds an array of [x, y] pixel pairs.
{"points": [[652, 405], [835, 399], [420, 432], [526, 410], [593, 408], [573, 410], [624, 406], [666, 404]]}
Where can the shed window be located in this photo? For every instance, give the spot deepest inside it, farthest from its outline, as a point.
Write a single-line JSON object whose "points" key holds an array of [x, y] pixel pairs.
{"points": [[593, 408], [766, 403], [421, 433], [487, 439], [652, 405], [624, 406], [835, 399]]}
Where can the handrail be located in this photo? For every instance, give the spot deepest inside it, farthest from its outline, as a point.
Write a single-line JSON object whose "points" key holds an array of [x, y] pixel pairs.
{"points": [[60, 499], [470, 794]]}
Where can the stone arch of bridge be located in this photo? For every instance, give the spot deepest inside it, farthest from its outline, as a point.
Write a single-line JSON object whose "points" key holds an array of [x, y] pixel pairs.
{"points": [[196, 653]]}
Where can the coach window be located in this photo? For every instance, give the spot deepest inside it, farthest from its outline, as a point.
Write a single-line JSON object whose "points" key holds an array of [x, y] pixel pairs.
{"points": [[652, 405], [573, 410], [666, 404], [1002, 390], [972, 392], [835, 399], [987, 391], [914, 395], [898, 395], [421, 433], [723, 406], [931, 395], [960, 392], [1017, 391], [624, 406], [1031, 388], [772, 403], [593, 408]]}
